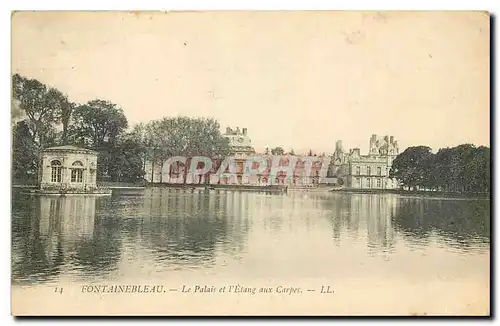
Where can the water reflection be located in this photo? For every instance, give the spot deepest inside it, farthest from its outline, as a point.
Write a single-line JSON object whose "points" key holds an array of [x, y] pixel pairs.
{"points": [[363, 216], [91, 237], [50, 232], [159, 230], [187, 228], [462, 224]]}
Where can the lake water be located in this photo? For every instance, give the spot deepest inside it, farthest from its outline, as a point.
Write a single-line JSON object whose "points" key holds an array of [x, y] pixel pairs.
{"points": [[380, 248]]}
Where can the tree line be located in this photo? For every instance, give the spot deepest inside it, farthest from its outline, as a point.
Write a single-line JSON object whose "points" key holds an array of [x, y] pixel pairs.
{"points": [[464, 168], [43, 117]]}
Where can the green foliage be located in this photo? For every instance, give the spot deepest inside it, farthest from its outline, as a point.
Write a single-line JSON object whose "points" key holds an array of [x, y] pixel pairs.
{"points": [[183, 136], [36, 111], [464, 168], [66, 112], [42, 105], [97, 124], [23, 154], [101, 125], [127, 159], [16, 113], [278, 151], [412, 166]]}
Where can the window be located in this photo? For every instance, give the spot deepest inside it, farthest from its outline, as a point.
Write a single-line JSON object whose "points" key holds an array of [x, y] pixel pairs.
{"points": [[379, 183], [369, 170], [369, 183], [357, 182], [76, 175], [56, 175], [379, 170], [77, 172], [358, 170]]}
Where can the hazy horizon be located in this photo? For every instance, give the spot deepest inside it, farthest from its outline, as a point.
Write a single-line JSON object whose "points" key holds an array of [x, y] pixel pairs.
{"points": [[299, 80]]}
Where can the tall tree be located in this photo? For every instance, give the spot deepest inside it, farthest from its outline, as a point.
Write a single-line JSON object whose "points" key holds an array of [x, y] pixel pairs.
{"points": [[98, 122], [66, 110], [463, 168], [127, 155], [40, 103], [23, 154], [277, 151], [39, 106], [184, 136], [139, 134], [412, 167], [154, 143], [440, 175], [479, 170], [17, 114]]}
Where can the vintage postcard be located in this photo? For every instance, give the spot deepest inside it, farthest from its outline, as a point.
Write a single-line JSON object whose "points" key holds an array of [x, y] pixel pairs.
{"points": [[250, 163]]}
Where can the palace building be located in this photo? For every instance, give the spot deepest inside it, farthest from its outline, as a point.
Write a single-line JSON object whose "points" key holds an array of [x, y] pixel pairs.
{"points": [[370, 171], [239, 142], [240, 147]]}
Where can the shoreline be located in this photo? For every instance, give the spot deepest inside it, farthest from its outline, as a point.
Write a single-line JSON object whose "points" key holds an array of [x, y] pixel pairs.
{"points": [[284, 189], [271, 188], [419, 193]]}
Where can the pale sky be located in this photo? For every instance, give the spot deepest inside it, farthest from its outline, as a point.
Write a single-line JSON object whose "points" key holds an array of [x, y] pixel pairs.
{"points": [[296, 79]]}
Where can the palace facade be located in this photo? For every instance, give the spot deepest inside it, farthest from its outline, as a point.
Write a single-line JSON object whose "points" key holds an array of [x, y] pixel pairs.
{"points": [[349, 169], [241, 150], [240, 147], [371, 171]]}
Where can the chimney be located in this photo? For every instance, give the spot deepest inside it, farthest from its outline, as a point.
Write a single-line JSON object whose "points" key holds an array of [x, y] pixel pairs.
{"points": [[392, 139], [244, 131], [338, 145], [228, 130]]}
